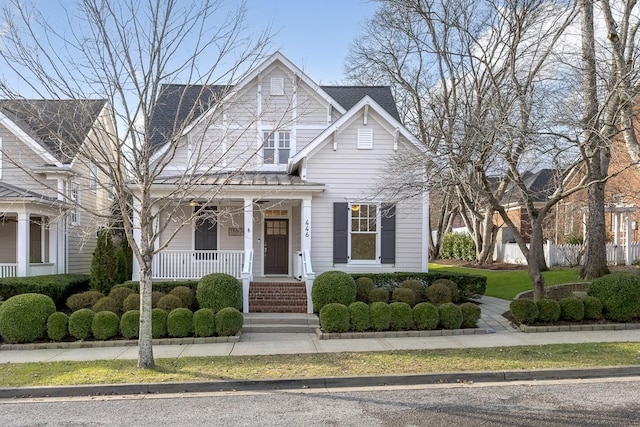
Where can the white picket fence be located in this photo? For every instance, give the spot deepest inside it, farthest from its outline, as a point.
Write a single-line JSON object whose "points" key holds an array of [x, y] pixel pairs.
{"points": [[564, 255]]}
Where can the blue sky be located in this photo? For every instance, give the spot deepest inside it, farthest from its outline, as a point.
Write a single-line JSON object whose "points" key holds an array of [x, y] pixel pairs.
{"points": [[314, 34]]}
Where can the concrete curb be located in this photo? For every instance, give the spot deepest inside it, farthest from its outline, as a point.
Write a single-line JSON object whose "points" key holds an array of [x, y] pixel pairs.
{"points": [[318, 383]]}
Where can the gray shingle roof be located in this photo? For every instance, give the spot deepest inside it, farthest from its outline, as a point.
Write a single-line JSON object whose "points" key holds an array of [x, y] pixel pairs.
{"points": [[540, 185], [348, 96], [61, 126], [8, 191], [179, 105]]}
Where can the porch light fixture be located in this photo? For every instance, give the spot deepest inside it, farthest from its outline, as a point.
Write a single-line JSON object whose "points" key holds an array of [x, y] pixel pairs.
{"points": [[355, 208], [193, 203]]}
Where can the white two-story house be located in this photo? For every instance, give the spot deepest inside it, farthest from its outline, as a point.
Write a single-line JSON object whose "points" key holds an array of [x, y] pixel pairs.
{"points": [[289, 174], [52, 197]]}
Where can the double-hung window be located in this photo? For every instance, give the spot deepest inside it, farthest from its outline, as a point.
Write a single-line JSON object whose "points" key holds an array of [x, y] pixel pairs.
{"points": [[277, 147], [364, 232]]}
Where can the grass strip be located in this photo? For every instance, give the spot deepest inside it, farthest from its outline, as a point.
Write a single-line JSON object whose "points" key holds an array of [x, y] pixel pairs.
{"points": [[507, 284], [322, 365]]}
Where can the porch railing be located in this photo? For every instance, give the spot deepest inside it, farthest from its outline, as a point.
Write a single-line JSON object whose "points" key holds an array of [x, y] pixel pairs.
{"points": [[8, 269], [173, 265]]}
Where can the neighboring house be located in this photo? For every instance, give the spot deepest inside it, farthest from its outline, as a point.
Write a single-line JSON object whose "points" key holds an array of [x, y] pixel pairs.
{"points": [[43, 180], [622, 200], [539, 186], [295, 190]]}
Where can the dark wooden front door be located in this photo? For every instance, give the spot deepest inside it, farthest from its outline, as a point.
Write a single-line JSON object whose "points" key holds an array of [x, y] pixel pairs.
{"points": [[276, 246]]}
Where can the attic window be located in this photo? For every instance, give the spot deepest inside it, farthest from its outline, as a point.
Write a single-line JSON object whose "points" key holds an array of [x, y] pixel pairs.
{"points": [[277, 86], [365, 139]]}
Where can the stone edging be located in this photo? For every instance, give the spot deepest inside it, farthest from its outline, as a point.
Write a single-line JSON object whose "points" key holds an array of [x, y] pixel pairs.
{"points": [[580, 328], [400, 334], [120, 343]]}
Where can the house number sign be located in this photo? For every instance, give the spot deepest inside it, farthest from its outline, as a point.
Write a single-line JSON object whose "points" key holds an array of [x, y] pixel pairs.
{"points": [[307, 231]]}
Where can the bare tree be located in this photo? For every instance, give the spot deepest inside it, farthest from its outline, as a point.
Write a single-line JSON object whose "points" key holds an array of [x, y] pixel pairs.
{"points": [[125, 52]]}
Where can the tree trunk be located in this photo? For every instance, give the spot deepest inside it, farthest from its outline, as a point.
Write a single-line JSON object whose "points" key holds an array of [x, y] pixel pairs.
{"points": [[536, 262], [489, 232], [145, 349]]}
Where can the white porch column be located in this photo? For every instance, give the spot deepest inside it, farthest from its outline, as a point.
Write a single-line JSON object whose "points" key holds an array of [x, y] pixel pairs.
{"points": [[426, 237], [135, 274], [305, 246], [616, 236], [627, 248], [248, 245], [22, 244], [53, 244]]}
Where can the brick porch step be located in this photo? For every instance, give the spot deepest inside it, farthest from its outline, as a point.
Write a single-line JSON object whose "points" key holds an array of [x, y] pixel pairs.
{"points": [[277, 297]]}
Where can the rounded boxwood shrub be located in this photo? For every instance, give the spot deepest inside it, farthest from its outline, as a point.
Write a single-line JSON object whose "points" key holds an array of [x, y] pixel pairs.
{"points": [[401, 316], [334, 317], [404, 295], [592, 308], [359, 316], [438, 293], [106, 304], [450, 315], [572, 309], [169, 303], [333, 286], [364, 285], [228, 322], [155, 297], [453, 288], [217, 291], [416, 286], [470, 315], [23, 318], [132, 302], [120, 293], [158, 323], [524, 310], [185, 294], [548, 310], [619, 294], [380, 316], [425, 315], [57, 326], [180, 322], [130, 324], [379, 295], [204, 323], [80, 323], [83, 300], [105, 325]]}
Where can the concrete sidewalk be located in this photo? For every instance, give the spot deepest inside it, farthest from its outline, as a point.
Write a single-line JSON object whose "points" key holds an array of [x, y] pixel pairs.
{"points": [[501, 334]]}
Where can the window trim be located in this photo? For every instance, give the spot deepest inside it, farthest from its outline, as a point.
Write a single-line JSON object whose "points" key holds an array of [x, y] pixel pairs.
{"points": [[93, 177], [378, 256], [277, 86]]}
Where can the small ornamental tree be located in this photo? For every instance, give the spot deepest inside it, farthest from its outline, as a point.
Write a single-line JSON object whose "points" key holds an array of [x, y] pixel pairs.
{"points": [[103, 264]]}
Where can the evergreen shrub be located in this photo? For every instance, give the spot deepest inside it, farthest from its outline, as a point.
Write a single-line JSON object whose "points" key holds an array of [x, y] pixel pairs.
{"points": [[23, 318], [333, 286], [450, 315], [334, 317], [426, 316], [359, 316]]}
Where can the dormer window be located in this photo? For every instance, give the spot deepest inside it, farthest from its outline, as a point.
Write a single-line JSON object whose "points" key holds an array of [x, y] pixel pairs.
{"points": [[277, 86], [277, 147]]}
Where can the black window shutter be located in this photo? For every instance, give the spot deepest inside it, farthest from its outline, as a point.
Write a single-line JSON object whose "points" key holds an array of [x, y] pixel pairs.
{"points": [[340, 232], [388, 234]]}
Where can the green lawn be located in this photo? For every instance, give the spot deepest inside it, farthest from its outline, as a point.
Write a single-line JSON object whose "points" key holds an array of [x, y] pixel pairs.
{"points": [[321, 365], [507, 284]]}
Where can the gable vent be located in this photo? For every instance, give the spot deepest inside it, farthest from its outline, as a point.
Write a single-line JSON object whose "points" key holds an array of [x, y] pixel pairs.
{"points": [[365, 139]]}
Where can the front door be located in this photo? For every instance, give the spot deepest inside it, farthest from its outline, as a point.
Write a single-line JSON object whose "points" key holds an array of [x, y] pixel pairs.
{"points": [[276, 246]]}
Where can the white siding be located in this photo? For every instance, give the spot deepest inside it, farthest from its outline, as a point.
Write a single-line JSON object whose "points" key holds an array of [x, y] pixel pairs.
{"points": [[351, 175]]}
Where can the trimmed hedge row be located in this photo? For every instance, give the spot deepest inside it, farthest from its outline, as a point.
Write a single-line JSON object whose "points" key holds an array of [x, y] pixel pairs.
{"points": [[56, 286], [571, 309], [164, 287], [397, 316], [470, 286]]}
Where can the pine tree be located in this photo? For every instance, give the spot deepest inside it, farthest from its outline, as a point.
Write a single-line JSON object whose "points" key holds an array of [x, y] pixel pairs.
{"points": [[124, 261]]}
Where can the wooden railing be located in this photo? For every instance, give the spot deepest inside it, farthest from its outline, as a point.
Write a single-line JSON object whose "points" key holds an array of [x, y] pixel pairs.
{"points": [[8, 269], [173, 265]]}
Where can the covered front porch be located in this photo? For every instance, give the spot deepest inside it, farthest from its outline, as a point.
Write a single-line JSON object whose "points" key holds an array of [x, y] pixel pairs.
{"points": [[253, 232], [32, 236]]}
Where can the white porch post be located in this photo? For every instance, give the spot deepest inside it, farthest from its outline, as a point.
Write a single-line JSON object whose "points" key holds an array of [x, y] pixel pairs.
{"points": [[305, 245], [53, 244], [22, 244], [426, 237], [135, 274], [248, 244], [616, 236], [627, 249]]}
